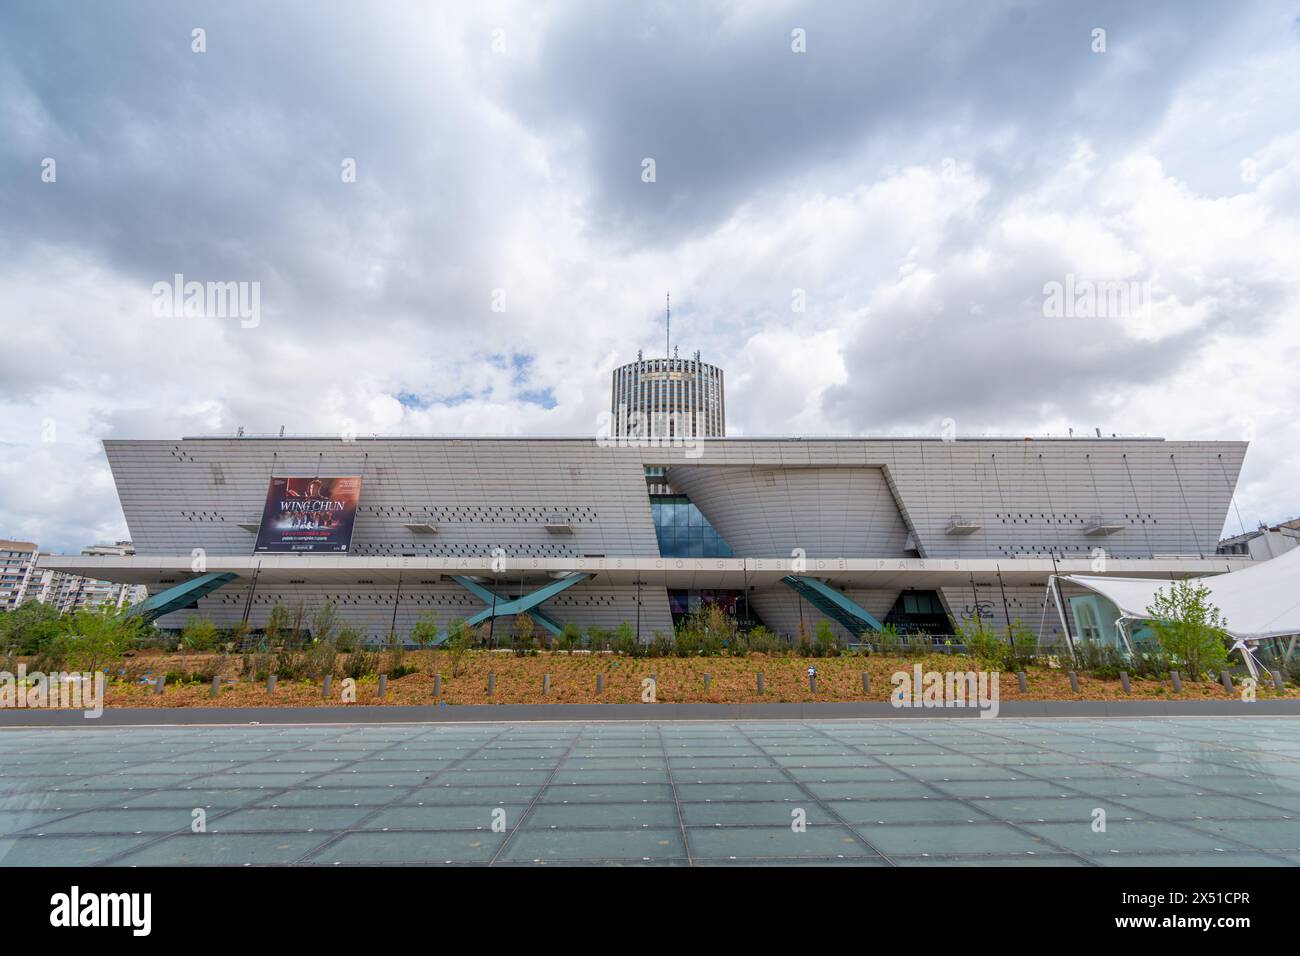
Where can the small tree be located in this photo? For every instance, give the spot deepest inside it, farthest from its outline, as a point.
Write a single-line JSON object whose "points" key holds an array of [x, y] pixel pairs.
{"points": [[625, 638], [570, 637], [424, 634], [325, 622], [98, 638], [199, 633], [1189, 627], [235, 636], [982, 642], [826, 641], [348, 639], [396, 654], [30, 627], [457, 643], [524, 628], [277, 624], [297, 620]]}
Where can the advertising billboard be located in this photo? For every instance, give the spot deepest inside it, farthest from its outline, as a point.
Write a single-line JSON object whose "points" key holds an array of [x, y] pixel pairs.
{"points": [[309, 515]]}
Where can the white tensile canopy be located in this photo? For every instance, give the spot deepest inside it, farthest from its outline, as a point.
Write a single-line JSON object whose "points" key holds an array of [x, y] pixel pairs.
{"points": [[1258, 602]]}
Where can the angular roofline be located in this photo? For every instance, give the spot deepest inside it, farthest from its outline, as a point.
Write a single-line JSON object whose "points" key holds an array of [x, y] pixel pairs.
{"points": [[334, 436]]}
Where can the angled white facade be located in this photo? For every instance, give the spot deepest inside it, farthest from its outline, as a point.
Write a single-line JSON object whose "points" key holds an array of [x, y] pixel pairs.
{"points": [[974, 525]]}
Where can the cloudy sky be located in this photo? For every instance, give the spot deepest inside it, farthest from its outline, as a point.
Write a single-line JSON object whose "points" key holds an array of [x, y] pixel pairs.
{"points": [[856, 206]]}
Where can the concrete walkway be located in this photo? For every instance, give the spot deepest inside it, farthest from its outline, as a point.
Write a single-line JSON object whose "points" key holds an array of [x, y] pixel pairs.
{"points": [[475, 713]]}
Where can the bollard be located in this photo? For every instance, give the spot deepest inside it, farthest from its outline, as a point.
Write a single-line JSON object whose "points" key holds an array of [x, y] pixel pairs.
{"points": [[812, 683], [270, 684], [1178, 681], [866, 684], [383, 685], [437, 685], [1123, 681], [325, 686], [600, 683], [1226, 679], [1024, 682], [1074, 682], [759, 684], [1277, 682], [216, 686], [160, 683], [708, 679], [546, 684], [492, 684]]}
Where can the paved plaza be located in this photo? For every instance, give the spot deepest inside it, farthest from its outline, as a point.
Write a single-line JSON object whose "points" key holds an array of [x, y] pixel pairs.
{"points": [[1194, 792]]}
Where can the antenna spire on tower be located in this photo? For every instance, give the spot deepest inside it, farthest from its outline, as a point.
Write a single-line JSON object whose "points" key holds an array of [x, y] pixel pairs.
{"points": [[668, 324]]}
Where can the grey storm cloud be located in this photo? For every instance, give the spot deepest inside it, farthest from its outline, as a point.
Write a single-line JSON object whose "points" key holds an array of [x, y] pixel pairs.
{"points": [[725, 110]]}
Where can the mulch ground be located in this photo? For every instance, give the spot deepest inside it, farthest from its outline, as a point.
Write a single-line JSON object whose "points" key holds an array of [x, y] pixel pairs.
{"points": [[519, 680]]}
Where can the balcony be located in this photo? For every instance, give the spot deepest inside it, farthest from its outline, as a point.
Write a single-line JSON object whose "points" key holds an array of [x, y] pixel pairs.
{"points": [[1100, 526], [558, 524], [957, 524]]}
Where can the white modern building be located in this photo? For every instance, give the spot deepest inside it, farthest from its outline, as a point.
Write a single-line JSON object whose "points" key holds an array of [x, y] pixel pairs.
{"points": [[917, 532]]}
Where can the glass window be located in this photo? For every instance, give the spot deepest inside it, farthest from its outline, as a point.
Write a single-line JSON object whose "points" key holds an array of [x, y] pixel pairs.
{"points": [[1089, 628]]}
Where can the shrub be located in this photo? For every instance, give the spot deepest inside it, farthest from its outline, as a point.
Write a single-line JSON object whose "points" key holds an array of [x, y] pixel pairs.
{"points": [[319, 659], [208, 669], [1099, 660], [457, 643], [624, 641], [1189, 628], [525, 630], [691, 643], [918, 642], [394, 654], [324, 623], [360, 663], [570, 637], [296, 635], [888, 640], [30, 628], [424, 633], [289, 664], [236, 637], [763, 641], [827, 644], [199, 633], [258, 666], [347, 640], [662, 645], [982, 643], [1150, 662], [1021, 647], [95, 639]]}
